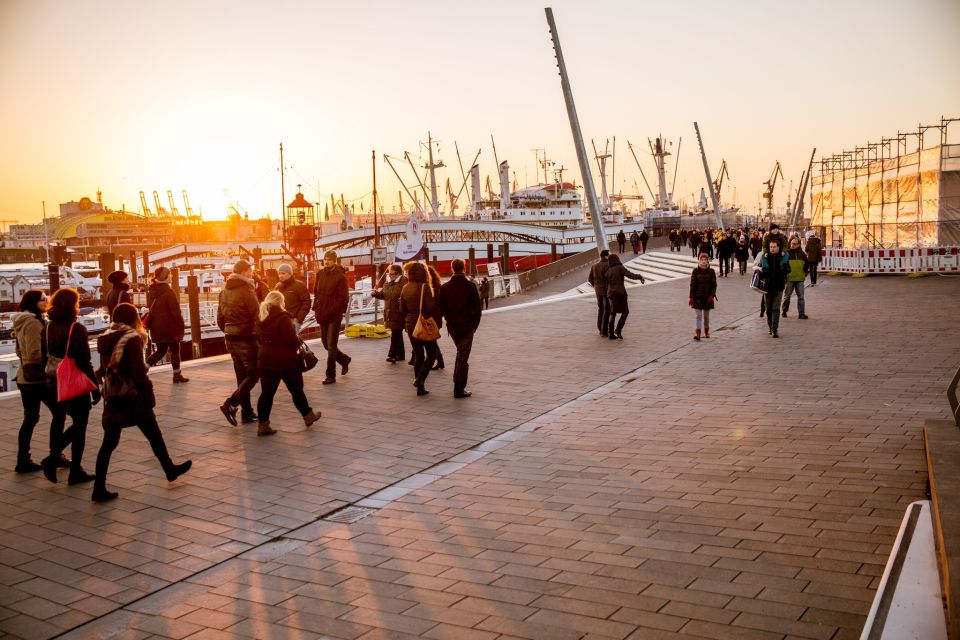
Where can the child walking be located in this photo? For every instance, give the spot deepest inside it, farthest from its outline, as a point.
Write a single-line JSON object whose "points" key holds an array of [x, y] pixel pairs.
{"points": [[703, 292]]}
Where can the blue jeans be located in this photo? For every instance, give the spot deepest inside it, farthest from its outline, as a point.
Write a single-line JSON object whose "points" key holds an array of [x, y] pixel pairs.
{"points": [[329, 336], [773, 303], [791, 287], [243, 352], [603, 312]]}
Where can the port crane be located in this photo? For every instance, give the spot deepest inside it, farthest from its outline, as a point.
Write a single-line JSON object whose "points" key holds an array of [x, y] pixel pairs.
{"points": [[718, 183], [189, 210], [143, 205], [770, 184], [174, 212]]}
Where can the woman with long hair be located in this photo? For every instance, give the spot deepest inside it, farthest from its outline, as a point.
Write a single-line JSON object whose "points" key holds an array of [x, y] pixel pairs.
{"points": [[167, 327], [123, 368], [416, 290], [67, 338], [28, 329], [435, 283], [277, 361]]}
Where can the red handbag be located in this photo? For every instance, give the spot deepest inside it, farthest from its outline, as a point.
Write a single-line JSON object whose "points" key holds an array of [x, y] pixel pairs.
{"points": [[71, 382]]}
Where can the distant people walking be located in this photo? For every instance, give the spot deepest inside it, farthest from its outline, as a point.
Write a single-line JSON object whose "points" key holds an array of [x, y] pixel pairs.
{"points": [[726, 247], [166, 324], [417, 298], [621, 241], [130, 399], [330, 299], [485, 292], [674, 240], [296, 297], [617, 293], [237, 316], [774, 266], [694, 241], [799, 267], [67, 338], [598, 280], [390, 294], [28, 331], [277, 361], [756, 245], [119, 290], [635, 242], [459, 303], [742, 253], [703, 293], [814, 255], [644, 237]]}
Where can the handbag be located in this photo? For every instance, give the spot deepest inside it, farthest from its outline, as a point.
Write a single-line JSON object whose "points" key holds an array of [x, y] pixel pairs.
{"points": [[758, 283], [71, 382], [306, 359], [426, 328]]}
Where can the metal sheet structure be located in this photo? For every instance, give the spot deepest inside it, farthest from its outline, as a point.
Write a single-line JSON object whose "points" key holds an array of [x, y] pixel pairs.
{"points": [[861, 201]]}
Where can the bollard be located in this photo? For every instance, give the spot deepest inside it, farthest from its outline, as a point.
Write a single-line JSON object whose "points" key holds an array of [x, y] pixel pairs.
{"points": [[505, 258], [426, 254], [53, 272], [553, 252], [146, 263], [107, 266], [133, 267], [193, 296], [489, 252], [175, 283], [472, 259]]}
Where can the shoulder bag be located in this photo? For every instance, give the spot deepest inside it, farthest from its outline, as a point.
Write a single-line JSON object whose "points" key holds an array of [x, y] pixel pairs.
{"points": [[426, 328], [306, 359], [71, 382]]}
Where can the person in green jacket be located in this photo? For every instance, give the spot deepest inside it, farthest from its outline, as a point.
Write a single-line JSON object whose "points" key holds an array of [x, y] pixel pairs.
{"points": [[799, 267]]}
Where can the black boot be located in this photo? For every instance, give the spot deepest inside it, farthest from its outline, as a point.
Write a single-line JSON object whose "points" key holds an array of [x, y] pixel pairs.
{"points": [[174, 471], [100, 493], [78, 476]]}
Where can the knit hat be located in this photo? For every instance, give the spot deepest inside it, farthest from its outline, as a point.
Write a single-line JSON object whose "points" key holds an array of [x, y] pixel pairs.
{"points": [[774, 226], [330, 255], [161, 274], [285, 268], [117, 277], [241, 266], [703, 255]]}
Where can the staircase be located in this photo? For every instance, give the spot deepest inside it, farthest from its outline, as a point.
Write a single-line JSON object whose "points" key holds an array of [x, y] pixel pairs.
{"points": [[654, 266]]}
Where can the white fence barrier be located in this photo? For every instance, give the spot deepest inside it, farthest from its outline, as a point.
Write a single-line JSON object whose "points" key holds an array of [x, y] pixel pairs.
{"points": [[917, 260]]}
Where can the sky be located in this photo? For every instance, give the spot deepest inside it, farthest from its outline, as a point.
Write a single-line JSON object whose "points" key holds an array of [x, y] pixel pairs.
{"points": [[130, 95]]}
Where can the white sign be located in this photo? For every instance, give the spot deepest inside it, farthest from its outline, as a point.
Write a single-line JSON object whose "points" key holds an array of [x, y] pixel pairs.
{"points": [[493, 268], [410, 247], [379, 255]]}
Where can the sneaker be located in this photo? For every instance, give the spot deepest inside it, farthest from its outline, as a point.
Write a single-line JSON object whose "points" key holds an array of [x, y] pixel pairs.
{"points": [[247, 419], [311, 417], [178, 470], [328, 380], [776, 335], [230, 412], [803, 316], [391, 360]]}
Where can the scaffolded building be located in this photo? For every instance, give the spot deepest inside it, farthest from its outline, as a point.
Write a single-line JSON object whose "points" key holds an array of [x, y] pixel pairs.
{"points": [[883, 195]]}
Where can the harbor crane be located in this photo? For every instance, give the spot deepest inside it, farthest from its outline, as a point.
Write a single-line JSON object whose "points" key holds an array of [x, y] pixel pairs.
{"points": [[173, 207], [718, 183], [768, 194], [143, 205], [188, 209], [156, 200]]}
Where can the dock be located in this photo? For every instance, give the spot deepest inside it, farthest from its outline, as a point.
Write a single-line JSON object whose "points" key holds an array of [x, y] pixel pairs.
{"points": [[655, 487]]}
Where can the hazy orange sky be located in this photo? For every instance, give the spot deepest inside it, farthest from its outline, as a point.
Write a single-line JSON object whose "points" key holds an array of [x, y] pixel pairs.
{"points": [[129, 96]]}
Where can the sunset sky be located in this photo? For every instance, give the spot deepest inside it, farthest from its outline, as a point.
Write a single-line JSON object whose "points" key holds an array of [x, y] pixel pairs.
{"points": [[197, 94]]}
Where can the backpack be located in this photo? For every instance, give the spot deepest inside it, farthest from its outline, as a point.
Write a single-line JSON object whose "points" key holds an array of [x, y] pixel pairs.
{"points": [[117, 387]]}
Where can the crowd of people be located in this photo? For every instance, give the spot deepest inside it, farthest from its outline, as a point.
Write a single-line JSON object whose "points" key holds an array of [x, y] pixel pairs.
{"points": [[780, 270], [261, 330]]}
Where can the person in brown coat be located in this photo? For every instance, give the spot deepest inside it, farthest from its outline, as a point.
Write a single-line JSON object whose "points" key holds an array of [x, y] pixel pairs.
{"points": [[424, 351], [390, 294], [703, 293], [296, 297]]}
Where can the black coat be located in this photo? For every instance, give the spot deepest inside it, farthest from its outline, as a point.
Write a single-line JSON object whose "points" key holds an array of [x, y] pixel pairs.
{"points": [[166, 317], [410, 304], [296, 298], [390, 294], [775, 267], [330, 295], [703, 286], [460, 304], [726, 247], [55, 342], [615, 277], [278, 342], [119, 292], [237, 309], [118, 414]]}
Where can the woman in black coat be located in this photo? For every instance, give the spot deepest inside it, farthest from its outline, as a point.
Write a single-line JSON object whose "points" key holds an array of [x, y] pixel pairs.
{"points": [[435, 283], [167, 327], [65, 337], [703, 292], [424, 351], [122, 363], [278, 343], [617, 293], [390, 294]]}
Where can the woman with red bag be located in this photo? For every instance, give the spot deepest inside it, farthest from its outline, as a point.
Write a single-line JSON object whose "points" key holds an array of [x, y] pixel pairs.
{"points": [[67, 339]]}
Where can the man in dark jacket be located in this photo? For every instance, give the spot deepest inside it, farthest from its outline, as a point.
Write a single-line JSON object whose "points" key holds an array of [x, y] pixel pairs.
{"points": [[166, 324], [390, 294], [485, 292], [598, 280], [237, 316], [330, 299], [644, 237], [621, 241], [814, 255], [460, 304], [296, 298], [775, 267], [725, 250], [119, 290]]}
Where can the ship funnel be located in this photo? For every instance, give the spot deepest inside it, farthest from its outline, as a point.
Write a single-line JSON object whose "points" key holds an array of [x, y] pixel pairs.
{"points": [[504, 185], [475, 195]]}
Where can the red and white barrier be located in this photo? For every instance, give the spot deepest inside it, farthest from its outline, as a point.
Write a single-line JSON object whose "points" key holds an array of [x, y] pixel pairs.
{"points": [[916, 260]]}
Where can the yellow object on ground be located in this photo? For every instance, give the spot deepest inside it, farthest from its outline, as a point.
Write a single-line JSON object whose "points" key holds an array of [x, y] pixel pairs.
{"points": [[366, 331]]}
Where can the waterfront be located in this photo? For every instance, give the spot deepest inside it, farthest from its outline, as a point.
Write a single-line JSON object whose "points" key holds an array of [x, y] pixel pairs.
{"points": [[703, 494]]}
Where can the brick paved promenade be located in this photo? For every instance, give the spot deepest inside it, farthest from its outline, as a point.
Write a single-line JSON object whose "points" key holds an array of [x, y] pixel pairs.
{"points": [[740, 487]]}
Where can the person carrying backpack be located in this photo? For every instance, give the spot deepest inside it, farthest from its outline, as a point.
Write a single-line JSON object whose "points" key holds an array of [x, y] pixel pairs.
{"points": [[128, 397], [167, 327]]}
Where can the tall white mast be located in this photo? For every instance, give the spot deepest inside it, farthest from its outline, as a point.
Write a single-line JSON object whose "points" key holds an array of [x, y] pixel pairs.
{"points": [[434, 204], [659, 158]]}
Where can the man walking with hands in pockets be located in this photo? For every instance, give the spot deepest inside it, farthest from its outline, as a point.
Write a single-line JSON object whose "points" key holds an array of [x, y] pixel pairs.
{"points": [[460, 304]]}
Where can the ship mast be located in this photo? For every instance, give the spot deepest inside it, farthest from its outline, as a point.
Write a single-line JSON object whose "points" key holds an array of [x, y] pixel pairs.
{"points": [[582, 158], [706, 169], [434, 204], [660, 159]]}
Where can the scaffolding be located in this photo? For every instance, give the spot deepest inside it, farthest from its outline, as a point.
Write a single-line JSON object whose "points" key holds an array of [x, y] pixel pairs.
{"points": [[894, 193]]}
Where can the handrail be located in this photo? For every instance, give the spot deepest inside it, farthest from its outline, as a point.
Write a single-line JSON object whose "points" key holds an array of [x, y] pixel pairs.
{"points": [[952, 397]]}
